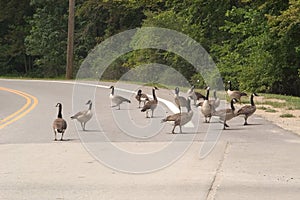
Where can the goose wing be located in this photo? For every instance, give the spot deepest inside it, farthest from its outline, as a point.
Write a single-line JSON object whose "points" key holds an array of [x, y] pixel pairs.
{"points": [[80, 113], [246, 110], [173, 117], [120, 99], [199, 95], [148, 105]]}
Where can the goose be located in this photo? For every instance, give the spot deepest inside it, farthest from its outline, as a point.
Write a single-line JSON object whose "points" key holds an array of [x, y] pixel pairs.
{"points": [[117, 100], [59, 124], [150, 105], [206, 108], [180, 100], [213, 102], [226, 114], [180, 119], [84, 116], [248, 110], [234, 93], [217, 100], [141, 97], [194, 95]]}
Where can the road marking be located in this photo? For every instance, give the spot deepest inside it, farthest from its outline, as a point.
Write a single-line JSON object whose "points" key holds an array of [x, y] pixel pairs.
{"points": [[30, 104], [169, 104]]}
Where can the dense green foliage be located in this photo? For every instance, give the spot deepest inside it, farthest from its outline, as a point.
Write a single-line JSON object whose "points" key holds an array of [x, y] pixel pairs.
{"points": [[255, 44]]}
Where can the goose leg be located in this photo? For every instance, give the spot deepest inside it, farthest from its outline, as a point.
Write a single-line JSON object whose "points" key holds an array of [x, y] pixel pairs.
{"points": [[55, 135], [225, 125], [173, 129], [209, 119], [83, 126], [180, 129], [62, 135], [246, 123]]}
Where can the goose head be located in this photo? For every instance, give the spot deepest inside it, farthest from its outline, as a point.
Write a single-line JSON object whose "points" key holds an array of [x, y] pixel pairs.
{"points": [[58, 105], [89, 102], [176, 90]]}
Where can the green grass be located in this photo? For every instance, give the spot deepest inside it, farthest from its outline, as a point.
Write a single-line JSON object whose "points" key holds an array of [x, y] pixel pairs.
{"points": [[276, 104], [291, 102], [287, 115], [157, 85], [270, 110], [288, 102], [262, 108]]}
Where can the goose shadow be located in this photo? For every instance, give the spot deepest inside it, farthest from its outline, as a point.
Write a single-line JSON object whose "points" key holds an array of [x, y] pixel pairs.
{"points": [[90, 131], [252, 125], [183, 133], [67, 140]]}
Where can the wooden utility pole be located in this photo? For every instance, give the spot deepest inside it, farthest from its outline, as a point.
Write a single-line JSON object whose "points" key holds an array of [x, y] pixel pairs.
{"points": [[70, 48]]}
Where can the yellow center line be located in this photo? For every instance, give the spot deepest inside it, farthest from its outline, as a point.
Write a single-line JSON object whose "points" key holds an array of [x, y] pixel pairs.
{"points": [[30, 100]]}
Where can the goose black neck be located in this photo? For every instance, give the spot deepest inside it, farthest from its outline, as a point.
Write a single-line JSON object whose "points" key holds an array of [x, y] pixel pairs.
{"points": [[112, 90], [230, 87], [59, 115], [215, 94], [251, 100], [207, 94], [153, 93], [177, 91], [189, 106], [232, 105], [90, 107]]}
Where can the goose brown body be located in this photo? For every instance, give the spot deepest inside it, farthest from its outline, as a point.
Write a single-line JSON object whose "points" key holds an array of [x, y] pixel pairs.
{"points": [[192, 94], [226, 114], [180, 119], [180, 100], [116, 99], [84, 116], [248, 110], [235, 93], [151, 105], [141, 97], [206, 108]]}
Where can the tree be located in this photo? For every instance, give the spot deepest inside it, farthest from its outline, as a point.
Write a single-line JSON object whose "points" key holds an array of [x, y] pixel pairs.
{"points": [[13, 57], [70, 46], [48, 37], [285, 29]]}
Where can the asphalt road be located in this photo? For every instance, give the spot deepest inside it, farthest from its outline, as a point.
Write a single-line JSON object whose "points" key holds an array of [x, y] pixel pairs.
{"points": [[123, 155]]}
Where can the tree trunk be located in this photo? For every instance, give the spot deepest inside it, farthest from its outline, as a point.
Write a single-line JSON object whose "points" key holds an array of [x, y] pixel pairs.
{"points": [[70, 48]]}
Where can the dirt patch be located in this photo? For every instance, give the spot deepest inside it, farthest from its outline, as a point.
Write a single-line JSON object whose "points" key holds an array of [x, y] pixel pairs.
{"points": [[277, 115], [262, 100]]}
